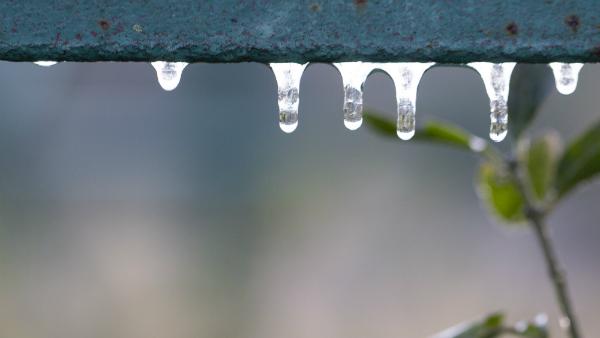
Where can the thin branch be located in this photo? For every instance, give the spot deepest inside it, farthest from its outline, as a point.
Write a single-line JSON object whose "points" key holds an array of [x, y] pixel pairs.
{"points": [[536, 218], [569, 321]]}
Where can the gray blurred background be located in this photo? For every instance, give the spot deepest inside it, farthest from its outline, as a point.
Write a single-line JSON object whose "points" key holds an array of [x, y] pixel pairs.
{"points": [[127, 211]]}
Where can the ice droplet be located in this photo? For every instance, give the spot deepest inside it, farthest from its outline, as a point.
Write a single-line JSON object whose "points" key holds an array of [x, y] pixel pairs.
{"points": [[477, 144], [45, 63], [521, 326], [354, 75], [288, 77], [168, 73], [496, 78], [541, 320], [564, 323], [566, 76], [406, 77]]}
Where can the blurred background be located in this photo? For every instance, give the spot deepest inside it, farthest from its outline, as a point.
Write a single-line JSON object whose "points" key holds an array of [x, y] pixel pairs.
{"points": [[127, 211]]}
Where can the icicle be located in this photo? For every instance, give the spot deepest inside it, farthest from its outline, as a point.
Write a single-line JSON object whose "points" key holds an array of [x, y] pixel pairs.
{"points": [[354, 75], [45, 63], [496, 78], [406, 77], [168, 73], [566, 76], [288, 77]]}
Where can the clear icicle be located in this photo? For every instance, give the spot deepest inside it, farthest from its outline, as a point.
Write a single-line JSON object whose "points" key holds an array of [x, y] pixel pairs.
{"points": [[169, 73], [406, 77], [566, 76], [354, 75], [496, 78], [45, 63], [288, 77]]}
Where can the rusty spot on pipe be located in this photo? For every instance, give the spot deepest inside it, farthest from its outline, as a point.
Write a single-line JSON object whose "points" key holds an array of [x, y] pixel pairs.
{"points": [[512, 28], [105, 25], [360, 4], [573, 22]]}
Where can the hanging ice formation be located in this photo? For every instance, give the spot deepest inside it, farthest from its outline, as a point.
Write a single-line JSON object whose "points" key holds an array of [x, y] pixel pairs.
{"points": [[169, 73], [496, 78], [354, 75], [566, 76], [288, 77], [406, 77], [45, 63]]}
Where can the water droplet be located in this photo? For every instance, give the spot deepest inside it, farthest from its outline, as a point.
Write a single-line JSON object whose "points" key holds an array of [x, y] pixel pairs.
{"points": [[45, 63], [477, 144], [406, 77], [168, 73], [566, 76], [564, 323], [541, 320], [521, 326], [288, 77], [354, 75], [288, 128], [353, 125], [496, 78]]}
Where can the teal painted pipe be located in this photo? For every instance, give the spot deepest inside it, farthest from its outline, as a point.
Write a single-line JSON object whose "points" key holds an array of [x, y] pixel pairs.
{"points": [[445, 31]]}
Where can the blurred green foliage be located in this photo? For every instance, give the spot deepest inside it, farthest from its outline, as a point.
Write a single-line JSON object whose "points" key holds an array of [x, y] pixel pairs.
{"points": [[518, 186], [494, 326]]}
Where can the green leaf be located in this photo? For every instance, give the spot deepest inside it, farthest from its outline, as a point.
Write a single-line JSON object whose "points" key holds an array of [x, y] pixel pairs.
{"points": [[380, 124], [432, 131], [500, 193], [540, 157], [449, 134], [489, 327], [533, 331], [580, 162], [529, 86]]}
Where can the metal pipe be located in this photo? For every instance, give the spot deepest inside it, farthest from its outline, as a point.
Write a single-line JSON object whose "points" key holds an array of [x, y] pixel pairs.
{"points": [[300, 30]]}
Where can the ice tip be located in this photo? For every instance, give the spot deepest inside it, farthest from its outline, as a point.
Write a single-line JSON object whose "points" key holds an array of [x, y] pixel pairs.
{"points": [[477, 144], [168, 85], [169, 73], [405, 135], [498, 137], [353, 124], [566, 76], [288, 128], [45, 63]]}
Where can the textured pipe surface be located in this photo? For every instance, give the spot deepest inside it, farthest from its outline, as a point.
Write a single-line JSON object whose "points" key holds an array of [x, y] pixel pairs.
{"points": [[300, 31]]}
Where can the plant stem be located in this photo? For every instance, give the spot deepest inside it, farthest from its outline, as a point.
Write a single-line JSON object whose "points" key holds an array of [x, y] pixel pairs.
{"points": [[568, 322], [536, 218]]}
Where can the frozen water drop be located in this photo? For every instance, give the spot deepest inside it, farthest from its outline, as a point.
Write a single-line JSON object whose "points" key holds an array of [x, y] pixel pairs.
{"points": [[564, 322], [541, 320], [496, 78], [406, 118], [169, 73], [288, 127], [288, 77], [45, 63], [354, 75], [521, 326], [406, 135], [406, 77], [498, 131], [353, 125], [566, 76], [477, 144]]}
